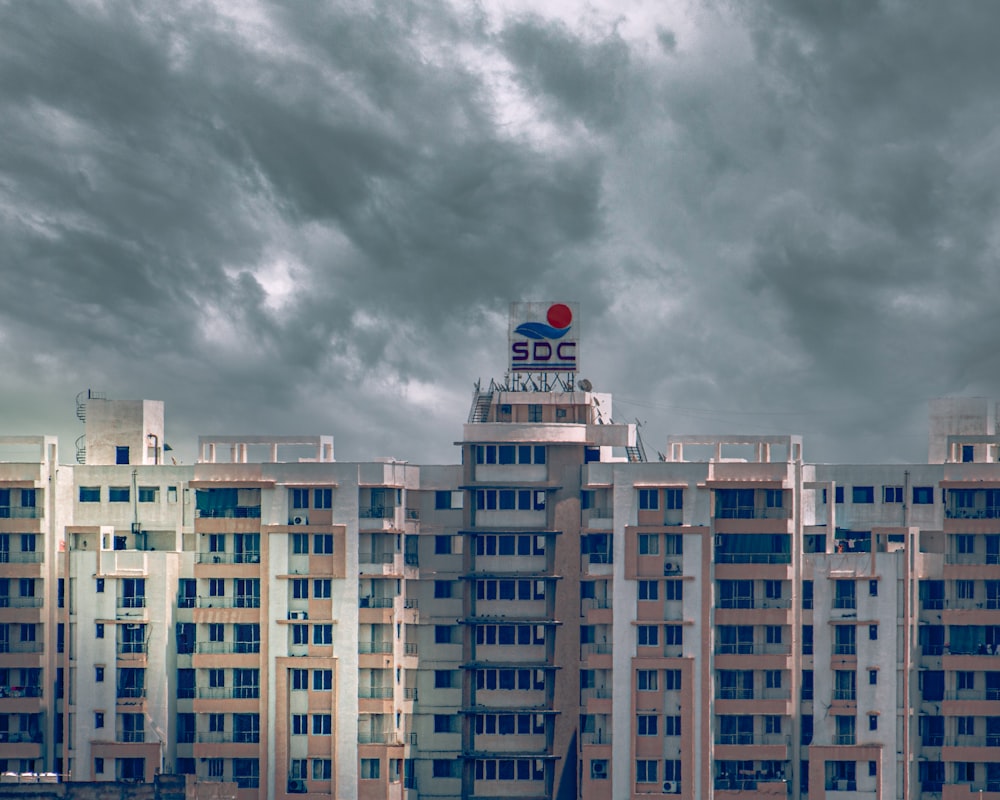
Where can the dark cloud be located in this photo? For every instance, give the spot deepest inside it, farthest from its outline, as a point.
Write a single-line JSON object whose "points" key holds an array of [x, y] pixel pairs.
{"points": [[288, 217]]}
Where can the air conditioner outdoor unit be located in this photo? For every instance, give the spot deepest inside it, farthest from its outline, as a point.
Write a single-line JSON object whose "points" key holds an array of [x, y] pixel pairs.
{"points": [[598, 767], [298, 615], [671, 787], [298, 519], [671, 566]]}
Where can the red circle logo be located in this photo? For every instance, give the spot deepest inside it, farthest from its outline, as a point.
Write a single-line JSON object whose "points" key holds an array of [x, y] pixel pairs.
{"points": [[559, 315]]}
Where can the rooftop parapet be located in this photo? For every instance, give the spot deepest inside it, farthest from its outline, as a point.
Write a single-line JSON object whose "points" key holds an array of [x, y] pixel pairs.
{"points": [[263, 449]]}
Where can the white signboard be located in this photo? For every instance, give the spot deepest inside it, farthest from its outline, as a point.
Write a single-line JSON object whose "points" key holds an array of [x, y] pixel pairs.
{"points": [[543, 337]]}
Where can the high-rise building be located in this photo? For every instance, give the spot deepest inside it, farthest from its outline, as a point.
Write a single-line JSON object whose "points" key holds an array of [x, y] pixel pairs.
{"points": [[552, 617]]}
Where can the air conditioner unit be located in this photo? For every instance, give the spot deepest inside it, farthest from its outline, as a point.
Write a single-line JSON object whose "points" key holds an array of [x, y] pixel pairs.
{"points": [[298, 615], [296, 787], [598, 767], [671, 787], [671, 567], [299, 519]]}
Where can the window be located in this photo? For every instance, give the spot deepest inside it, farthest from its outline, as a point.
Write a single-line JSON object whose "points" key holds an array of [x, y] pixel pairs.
{"points": [[323, 634], [298, 679], [807, 595], [322, 498], [674, 499], [863, 494], [649, 544], [118, 494], [872, 632], [443, 634], [215, 768], [216, 587], [370, 769], [649, 590], [807, 640], [300, 498], [300, 589], [674, 590], [965, 680], [446, 768], [121, 455], [445, 723], [442, 545], [442, 679], [300, 543], [872, 677], [873, 588], [322, 769], [98, 719], [649, 635], [300, 634], [442, 589], [322, 680], [646, 680], [649, 499], [892, 494], [646, 770], [923, 495], [99, 630], [299, 725], [90, 494], [246, 773], [323, 543], [322, 724], [148, 494], [772, 678], [965, 590], [671, 680], [671, 726], [873, 722], [99, 765], [98, 674], [807, 684], [966, 726], [534, 412], [646, 725], [322, 588]]}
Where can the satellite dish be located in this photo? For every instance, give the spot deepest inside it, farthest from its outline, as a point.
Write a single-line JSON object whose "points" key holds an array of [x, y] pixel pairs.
{"points": [[584, 385]]}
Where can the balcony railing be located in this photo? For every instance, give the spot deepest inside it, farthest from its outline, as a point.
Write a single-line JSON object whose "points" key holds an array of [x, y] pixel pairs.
{"points": [[20, 512], [410, 648], [233, 512], [21, 556], [376, 602], [596, 693], [373, 737], [368, 648], [375, 692], [752, 558], [228, 692], [20, 691], [131, 602], [377, 512], [595, 648], [20, 647], [845, 649], [21, 602], [735, 694], [744, 784], [588, 603], [131, 648], [376, 558], [228, 558], [596, 737], [244, 601], [216, 648], [227, 737], [845, 602], [845, 694], [130, 736], [27, 737], [751, 648]]}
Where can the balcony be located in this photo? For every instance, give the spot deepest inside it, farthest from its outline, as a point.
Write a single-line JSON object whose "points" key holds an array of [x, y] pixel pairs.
{"points": [[595, 648], [226, 648], [20, 691], [596, 737], [845, 649], [21, 602], [375, 692], [20, 512], [227, 558], [22, 737], [376, 602], [750, 648], [21, 556], [225, 737], [752, 558], [243, 601], [845, 694], [368, 648], [377, 737], [751, 739], [20, 647], [228, 692], [377, 512], [232, 512]]}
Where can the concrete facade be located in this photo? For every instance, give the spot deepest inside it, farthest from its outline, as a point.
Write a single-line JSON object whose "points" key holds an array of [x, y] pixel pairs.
{"points": [[552, 617]]}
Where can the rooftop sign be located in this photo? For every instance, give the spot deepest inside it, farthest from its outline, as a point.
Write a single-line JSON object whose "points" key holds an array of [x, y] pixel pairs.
{"points": [[543, 337]]}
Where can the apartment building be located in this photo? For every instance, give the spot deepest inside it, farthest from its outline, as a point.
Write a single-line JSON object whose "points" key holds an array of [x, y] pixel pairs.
{"points": [[552, 617]]}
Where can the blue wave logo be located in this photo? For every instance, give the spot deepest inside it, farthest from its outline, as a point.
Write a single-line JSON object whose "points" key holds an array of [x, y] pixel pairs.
{"points": [[559, 318]]}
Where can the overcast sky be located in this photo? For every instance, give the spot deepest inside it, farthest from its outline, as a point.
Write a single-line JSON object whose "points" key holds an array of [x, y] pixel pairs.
{"points": [[312, 217]]}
